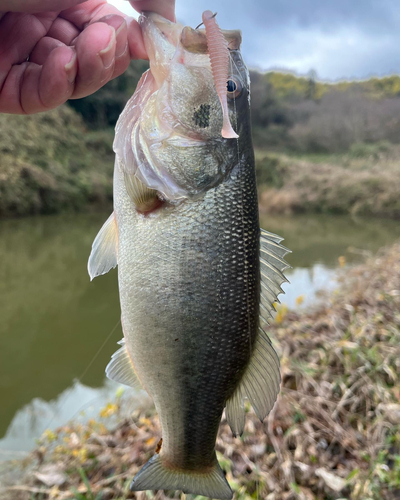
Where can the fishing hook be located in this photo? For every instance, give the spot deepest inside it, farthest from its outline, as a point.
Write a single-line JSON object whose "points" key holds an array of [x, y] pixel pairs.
{"points": [[197, 27]]}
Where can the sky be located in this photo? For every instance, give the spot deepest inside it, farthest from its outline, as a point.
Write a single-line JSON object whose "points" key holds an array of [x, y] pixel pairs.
{"points": [[339, 39]]}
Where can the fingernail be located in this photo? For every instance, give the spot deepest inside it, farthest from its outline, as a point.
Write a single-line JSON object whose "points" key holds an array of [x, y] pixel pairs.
{"points": [[108, 54], [71, 68], [122, 49]]}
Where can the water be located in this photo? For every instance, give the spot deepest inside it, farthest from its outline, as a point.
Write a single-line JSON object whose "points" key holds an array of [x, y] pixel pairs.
{"points": [[53, 320]]}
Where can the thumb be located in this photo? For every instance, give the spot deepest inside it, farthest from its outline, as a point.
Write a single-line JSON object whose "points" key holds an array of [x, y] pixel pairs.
{"points": [[165, 8]]}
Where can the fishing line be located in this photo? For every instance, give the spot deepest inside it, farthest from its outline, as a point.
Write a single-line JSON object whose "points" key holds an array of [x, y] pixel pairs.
{"points": [[79, 379], [76, 461]]}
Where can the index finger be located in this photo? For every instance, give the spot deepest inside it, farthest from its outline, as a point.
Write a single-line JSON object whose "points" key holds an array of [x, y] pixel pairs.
{"points": [[35, 6], [165, 8]]}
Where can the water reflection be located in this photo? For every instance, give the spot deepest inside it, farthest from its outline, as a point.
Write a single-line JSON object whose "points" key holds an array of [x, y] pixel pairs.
{"points": [[78, 402], [53, 320]]}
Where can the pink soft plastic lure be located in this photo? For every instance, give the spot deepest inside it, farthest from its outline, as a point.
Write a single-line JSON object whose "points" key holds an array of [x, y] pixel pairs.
{"points": [[219, 57]]}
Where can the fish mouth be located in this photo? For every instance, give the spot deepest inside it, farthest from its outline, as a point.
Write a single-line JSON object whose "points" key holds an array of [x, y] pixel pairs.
{"points": [[163, 37], [158, 30]]}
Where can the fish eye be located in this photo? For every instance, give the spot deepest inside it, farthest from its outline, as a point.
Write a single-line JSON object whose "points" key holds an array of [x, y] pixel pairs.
{"points": [[233, 88]]}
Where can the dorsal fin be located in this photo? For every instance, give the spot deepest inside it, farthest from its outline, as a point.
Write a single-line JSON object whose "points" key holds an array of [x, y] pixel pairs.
{"points": [[272, 265], [261, 380]]}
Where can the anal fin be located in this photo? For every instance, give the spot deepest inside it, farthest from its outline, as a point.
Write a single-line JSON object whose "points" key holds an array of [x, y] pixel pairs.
{"points": [[120, 368]]}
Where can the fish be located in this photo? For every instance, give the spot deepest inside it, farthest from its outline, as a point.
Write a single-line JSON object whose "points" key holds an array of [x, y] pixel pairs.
{"points": [[197, 276]]}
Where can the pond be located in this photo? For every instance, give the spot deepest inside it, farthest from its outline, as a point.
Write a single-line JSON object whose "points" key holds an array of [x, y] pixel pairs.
{"points": [[58, 330]]}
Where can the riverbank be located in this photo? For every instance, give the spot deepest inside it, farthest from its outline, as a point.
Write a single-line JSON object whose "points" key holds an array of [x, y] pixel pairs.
{"points": [[363, 182], [334, 432], [52, 163]]}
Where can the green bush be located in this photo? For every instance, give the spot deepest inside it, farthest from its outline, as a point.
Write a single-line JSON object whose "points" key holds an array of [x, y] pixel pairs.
{"points": [[270, 171], [50, 163], [369, 150]]}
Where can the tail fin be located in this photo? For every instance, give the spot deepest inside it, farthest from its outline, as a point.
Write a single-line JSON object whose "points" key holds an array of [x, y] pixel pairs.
{"points": [[155, 476]]}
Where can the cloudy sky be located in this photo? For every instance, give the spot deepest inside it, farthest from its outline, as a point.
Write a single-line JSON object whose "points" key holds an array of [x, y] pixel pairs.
{"points": [[339, 39]]}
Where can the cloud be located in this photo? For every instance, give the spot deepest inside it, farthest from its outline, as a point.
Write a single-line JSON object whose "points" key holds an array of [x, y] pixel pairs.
{"points": [[337, 38]]}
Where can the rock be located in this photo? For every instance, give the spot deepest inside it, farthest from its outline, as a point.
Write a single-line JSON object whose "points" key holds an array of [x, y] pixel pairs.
{"points": [[51, 475], [333, 482], [392, 412], [258, 449]]}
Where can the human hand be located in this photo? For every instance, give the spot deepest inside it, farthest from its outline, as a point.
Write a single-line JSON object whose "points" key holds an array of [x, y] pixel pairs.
{"points": [[54, 50]]}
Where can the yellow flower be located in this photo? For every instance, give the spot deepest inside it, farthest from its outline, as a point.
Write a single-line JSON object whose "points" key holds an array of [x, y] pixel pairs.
{"points": [[109, 410], [342, 261], [83, 455], [281, 311], [299, 300], [119, 391], [49, 435], [54, 492], [151, 441]]}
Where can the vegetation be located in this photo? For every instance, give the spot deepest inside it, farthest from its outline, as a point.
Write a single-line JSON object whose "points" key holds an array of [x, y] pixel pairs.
{"points": [[300, 114], [364, 181], [334, 433], [51, 163]]}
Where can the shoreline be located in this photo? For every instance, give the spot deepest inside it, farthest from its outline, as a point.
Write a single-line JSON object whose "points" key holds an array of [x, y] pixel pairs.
{"points": [[334, 432]]}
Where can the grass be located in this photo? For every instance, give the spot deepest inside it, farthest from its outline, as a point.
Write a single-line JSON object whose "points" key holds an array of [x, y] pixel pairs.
{"points": [[365, 182], [334, 432]]}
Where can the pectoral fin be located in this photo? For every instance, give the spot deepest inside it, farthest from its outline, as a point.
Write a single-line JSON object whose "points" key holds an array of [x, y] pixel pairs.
{"points": [[120, 368], [103, 256], [144, 198]]}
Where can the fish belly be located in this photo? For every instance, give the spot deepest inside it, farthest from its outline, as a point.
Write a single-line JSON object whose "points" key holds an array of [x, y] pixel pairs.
{"points": [[189, 291]]}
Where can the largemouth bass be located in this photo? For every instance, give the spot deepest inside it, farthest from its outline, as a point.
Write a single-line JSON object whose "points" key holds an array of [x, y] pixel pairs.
{"points": [[197, 277]]}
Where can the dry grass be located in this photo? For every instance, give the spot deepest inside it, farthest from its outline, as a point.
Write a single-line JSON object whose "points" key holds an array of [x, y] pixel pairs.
{"points": [[334, 433], [363, 185]]}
